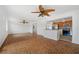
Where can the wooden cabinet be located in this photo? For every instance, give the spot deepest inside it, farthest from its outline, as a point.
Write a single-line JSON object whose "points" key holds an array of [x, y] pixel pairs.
{"points": [[61, 23]]}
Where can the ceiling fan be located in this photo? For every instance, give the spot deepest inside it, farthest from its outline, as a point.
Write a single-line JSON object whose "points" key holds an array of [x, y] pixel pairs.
{"points": [[43, 11], [24, 22]]}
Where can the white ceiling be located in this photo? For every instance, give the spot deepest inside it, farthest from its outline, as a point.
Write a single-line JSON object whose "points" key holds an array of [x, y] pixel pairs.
{"points": [[25, 10]]}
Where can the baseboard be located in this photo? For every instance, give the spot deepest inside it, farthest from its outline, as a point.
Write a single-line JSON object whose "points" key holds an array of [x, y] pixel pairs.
{"points": [[4, 38]]}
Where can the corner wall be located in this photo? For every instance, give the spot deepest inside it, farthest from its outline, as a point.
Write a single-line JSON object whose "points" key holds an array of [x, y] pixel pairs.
{"points": [[3, 29], [75, 28]]}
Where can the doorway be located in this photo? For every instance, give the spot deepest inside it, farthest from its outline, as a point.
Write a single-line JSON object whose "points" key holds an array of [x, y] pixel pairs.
{"points": [[67, 30], [34, 28]]}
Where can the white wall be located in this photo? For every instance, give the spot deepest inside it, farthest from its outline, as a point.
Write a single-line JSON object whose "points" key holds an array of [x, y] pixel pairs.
{"points": [[41, 26], [14, 26], [3, 29], [75, 28]]}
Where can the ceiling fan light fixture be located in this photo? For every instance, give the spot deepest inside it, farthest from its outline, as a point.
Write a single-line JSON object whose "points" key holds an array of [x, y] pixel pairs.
{"points": [[43, 11]]}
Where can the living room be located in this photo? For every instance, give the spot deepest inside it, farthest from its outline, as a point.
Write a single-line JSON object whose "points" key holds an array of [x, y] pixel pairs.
{"points": [[19, 21]]}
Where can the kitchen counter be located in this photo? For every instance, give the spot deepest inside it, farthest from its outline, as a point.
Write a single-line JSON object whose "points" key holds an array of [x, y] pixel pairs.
{"points": [[52, 34]]}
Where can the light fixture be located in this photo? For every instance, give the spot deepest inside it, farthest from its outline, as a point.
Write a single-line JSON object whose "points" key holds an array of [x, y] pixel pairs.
{"points": [[24, 22]]}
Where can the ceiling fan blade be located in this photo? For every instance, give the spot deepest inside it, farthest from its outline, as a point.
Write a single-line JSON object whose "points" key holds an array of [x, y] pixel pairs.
{"points": [[41, 8], [35, 12], [49, 10]]}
